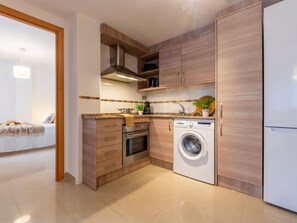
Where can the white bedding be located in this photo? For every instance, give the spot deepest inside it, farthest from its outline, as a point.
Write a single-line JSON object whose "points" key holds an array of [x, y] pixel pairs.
{"points": [[18, 143]]}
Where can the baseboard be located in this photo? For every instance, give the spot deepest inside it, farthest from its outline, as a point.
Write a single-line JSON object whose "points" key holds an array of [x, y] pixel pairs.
{"points": [[70, 177], [243, 187], [122, 172], [26, 151], [161, 163]]}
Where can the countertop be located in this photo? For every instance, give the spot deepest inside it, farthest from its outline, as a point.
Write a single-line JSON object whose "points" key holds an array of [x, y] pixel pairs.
{"points": [[156, 115]]}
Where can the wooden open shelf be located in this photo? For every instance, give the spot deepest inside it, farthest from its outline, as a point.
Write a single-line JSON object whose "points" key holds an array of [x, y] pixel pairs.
{"points": [[149, 73], [151, 89], [150, 56]]}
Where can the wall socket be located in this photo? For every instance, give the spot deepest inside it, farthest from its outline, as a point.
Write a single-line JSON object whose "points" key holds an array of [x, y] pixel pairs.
{"points": [[144, 97]]}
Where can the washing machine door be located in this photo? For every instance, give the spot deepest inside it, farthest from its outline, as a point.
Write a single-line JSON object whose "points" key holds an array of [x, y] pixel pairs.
{"points": [[192, 146]]}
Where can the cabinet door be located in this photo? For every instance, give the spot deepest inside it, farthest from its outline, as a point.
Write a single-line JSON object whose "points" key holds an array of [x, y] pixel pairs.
{"points": [[198, 59], [240, 101], [170, 65], [161, 139]]}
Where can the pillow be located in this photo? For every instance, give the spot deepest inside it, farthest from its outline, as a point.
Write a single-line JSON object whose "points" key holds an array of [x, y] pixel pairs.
{"points": [[50, 119]]}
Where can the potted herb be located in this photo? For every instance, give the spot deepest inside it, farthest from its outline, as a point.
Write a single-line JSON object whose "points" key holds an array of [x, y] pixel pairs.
{"points": [[204, 105], [139, 108]]}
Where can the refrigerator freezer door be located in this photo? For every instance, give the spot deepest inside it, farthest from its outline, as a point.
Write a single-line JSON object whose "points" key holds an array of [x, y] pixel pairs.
{"points": [[280, 61], [280, 167]]}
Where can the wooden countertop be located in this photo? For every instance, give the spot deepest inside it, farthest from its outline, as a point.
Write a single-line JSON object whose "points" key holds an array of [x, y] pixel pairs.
{"points": [[157, 115]]}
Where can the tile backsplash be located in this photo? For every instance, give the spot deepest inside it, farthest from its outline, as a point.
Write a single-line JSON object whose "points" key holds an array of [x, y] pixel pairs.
{"points": [[167, 97]]}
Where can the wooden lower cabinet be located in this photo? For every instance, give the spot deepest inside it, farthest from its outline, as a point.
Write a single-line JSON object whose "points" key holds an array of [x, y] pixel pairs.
{"points": [[161, 142], [102, 149], [103, 153], [240, 101]]}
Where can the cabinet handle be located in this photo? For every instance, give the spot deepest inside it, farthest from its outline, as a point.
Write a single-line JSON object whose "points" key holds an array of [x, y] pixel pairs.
{"points": [[221, 110], [110, 126], [183, 78], [110, 152], [221, 128], [110, 138], [178, 77], [169, 126]]}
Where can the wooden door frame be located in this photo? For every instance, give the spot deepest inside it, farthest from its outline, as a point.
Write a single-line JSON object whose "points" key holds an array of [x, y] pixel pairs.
{"points": [[59, 32]]}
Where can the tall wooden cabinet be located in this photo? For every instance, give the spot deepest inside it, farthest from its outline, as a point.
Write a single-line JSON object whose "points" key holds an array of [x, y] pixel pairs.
{"points": [[188, 62], [161, 142], [240, 100]]}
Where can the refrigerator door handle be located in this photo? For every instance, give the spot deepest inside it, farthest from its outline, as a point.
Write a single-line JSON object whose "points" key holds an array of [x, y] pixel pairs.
{"points": [[283, 129]]}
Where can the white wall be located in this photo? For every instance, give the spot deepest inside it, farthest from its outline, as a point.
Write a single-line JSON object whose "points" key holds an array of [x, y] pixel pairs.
{"points": [[29, 100], [85, 53], [16, 95], [43, 92], [182, 93], [7, 105], [23, 100]]}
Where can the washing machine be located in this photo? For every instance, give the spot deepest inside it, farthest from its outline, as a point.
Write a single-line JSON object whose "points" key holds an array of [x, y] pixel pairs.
{"points": [[194, 149]]}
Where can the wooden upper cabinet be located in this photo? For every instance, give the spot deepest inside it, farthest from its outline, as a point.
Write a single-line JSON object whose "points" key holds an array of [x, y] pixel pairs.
{"points": [[198, 59], [170, 65], [189, 62], [240, 100], [161, 139]]}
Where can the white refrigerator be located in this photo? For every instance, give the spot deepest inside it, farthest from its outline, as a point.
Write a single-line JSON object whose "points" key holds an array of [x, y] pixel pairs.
{"points": [[280, 104]]}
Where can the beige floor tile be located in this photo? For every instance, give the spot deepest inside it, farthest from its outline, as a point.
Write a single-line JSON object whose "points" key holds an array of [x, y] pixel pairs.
{"points": [[133, 209], [151, 194], [98, 215], [9, 214]]}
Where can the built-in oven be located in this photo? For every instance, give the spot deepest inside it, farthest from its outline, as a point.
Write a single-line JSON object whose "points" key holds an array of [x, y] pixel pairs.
{"points": [[135, 142]]}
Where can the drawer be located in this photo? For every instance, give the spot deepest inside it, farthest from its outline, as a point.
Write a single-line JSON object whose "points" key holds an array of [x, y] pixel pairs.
{"points": [[108, 139], [140, 120], [109, 125], [108, 152], [108, 166]]}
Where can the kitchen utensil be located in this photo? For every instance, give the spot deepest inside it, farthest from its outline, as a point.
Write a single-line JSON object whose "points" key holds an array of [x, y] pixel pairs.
{"points": [[147, 108], [126, 110]]}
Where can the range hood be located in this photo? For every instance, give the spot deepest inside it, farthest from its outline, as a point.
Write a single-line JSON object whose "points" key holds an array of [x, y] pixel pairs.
{"points": [[117, 70]]}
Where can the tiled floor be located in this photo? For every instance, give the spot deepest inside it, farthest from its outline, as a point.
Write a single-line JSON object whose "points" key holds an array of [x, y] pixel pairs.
{"points": [[28, 193]]}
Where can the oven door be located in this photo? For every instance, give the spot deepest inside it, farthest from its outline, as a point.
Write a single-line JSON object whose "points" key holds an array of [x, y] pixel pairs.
{"points": [[135, 146]]}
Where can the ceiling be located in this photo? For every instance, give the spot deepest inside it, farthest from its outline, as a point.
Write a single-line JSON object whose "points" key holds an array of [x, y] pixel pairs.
{"points": [[147, 21], [40, 45]]}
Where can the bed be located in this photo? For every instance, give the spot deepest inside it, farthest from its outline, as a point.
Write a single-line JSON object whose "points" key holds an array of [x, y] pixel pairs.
{"points": [[32, 141]]}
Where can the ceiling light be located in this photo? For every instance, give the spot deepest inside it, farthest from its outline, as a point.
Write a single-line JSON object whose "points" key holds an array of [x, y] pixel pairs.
{"points": [[21, 71]]}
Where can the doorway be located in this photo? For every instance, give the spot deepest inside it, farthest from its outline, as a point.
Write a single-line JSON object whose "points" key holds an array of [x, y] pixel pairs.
{"points": [[59, 33]]}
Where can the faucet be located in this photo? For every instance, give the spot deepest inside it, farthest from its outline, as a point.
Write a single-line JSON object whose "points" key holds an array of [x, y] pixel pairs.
{"points": [[182, 111]]}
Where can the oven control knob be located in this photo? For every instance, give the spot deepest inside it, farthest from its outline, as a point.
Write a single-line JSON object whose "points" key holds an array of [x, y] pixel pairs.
{"points": [[191, 124]]}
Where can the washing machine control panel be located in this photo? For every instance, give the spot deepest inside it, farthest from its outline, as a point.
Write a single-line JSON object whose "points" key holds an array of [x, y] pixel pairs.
{"points": [[191, 124]]}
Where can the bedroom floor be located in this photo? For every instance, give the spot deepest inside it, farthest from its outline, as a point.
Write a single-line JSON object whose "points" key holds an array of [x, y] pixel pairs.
{"points": [[28, 193]]}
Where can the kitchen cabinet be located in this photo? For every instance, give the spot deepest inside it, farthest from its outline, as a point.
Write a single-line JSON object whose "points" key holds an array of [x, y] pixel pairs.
{"points": [[198, 59], [170, 65], [240, 100], [161, 141], [189, 62], [102, 149]]}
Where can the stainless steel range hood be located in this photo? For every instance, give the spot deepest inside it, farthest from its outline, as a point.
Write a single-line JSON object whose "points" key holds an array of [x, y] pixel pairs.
{"points": [[117, 70]]}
